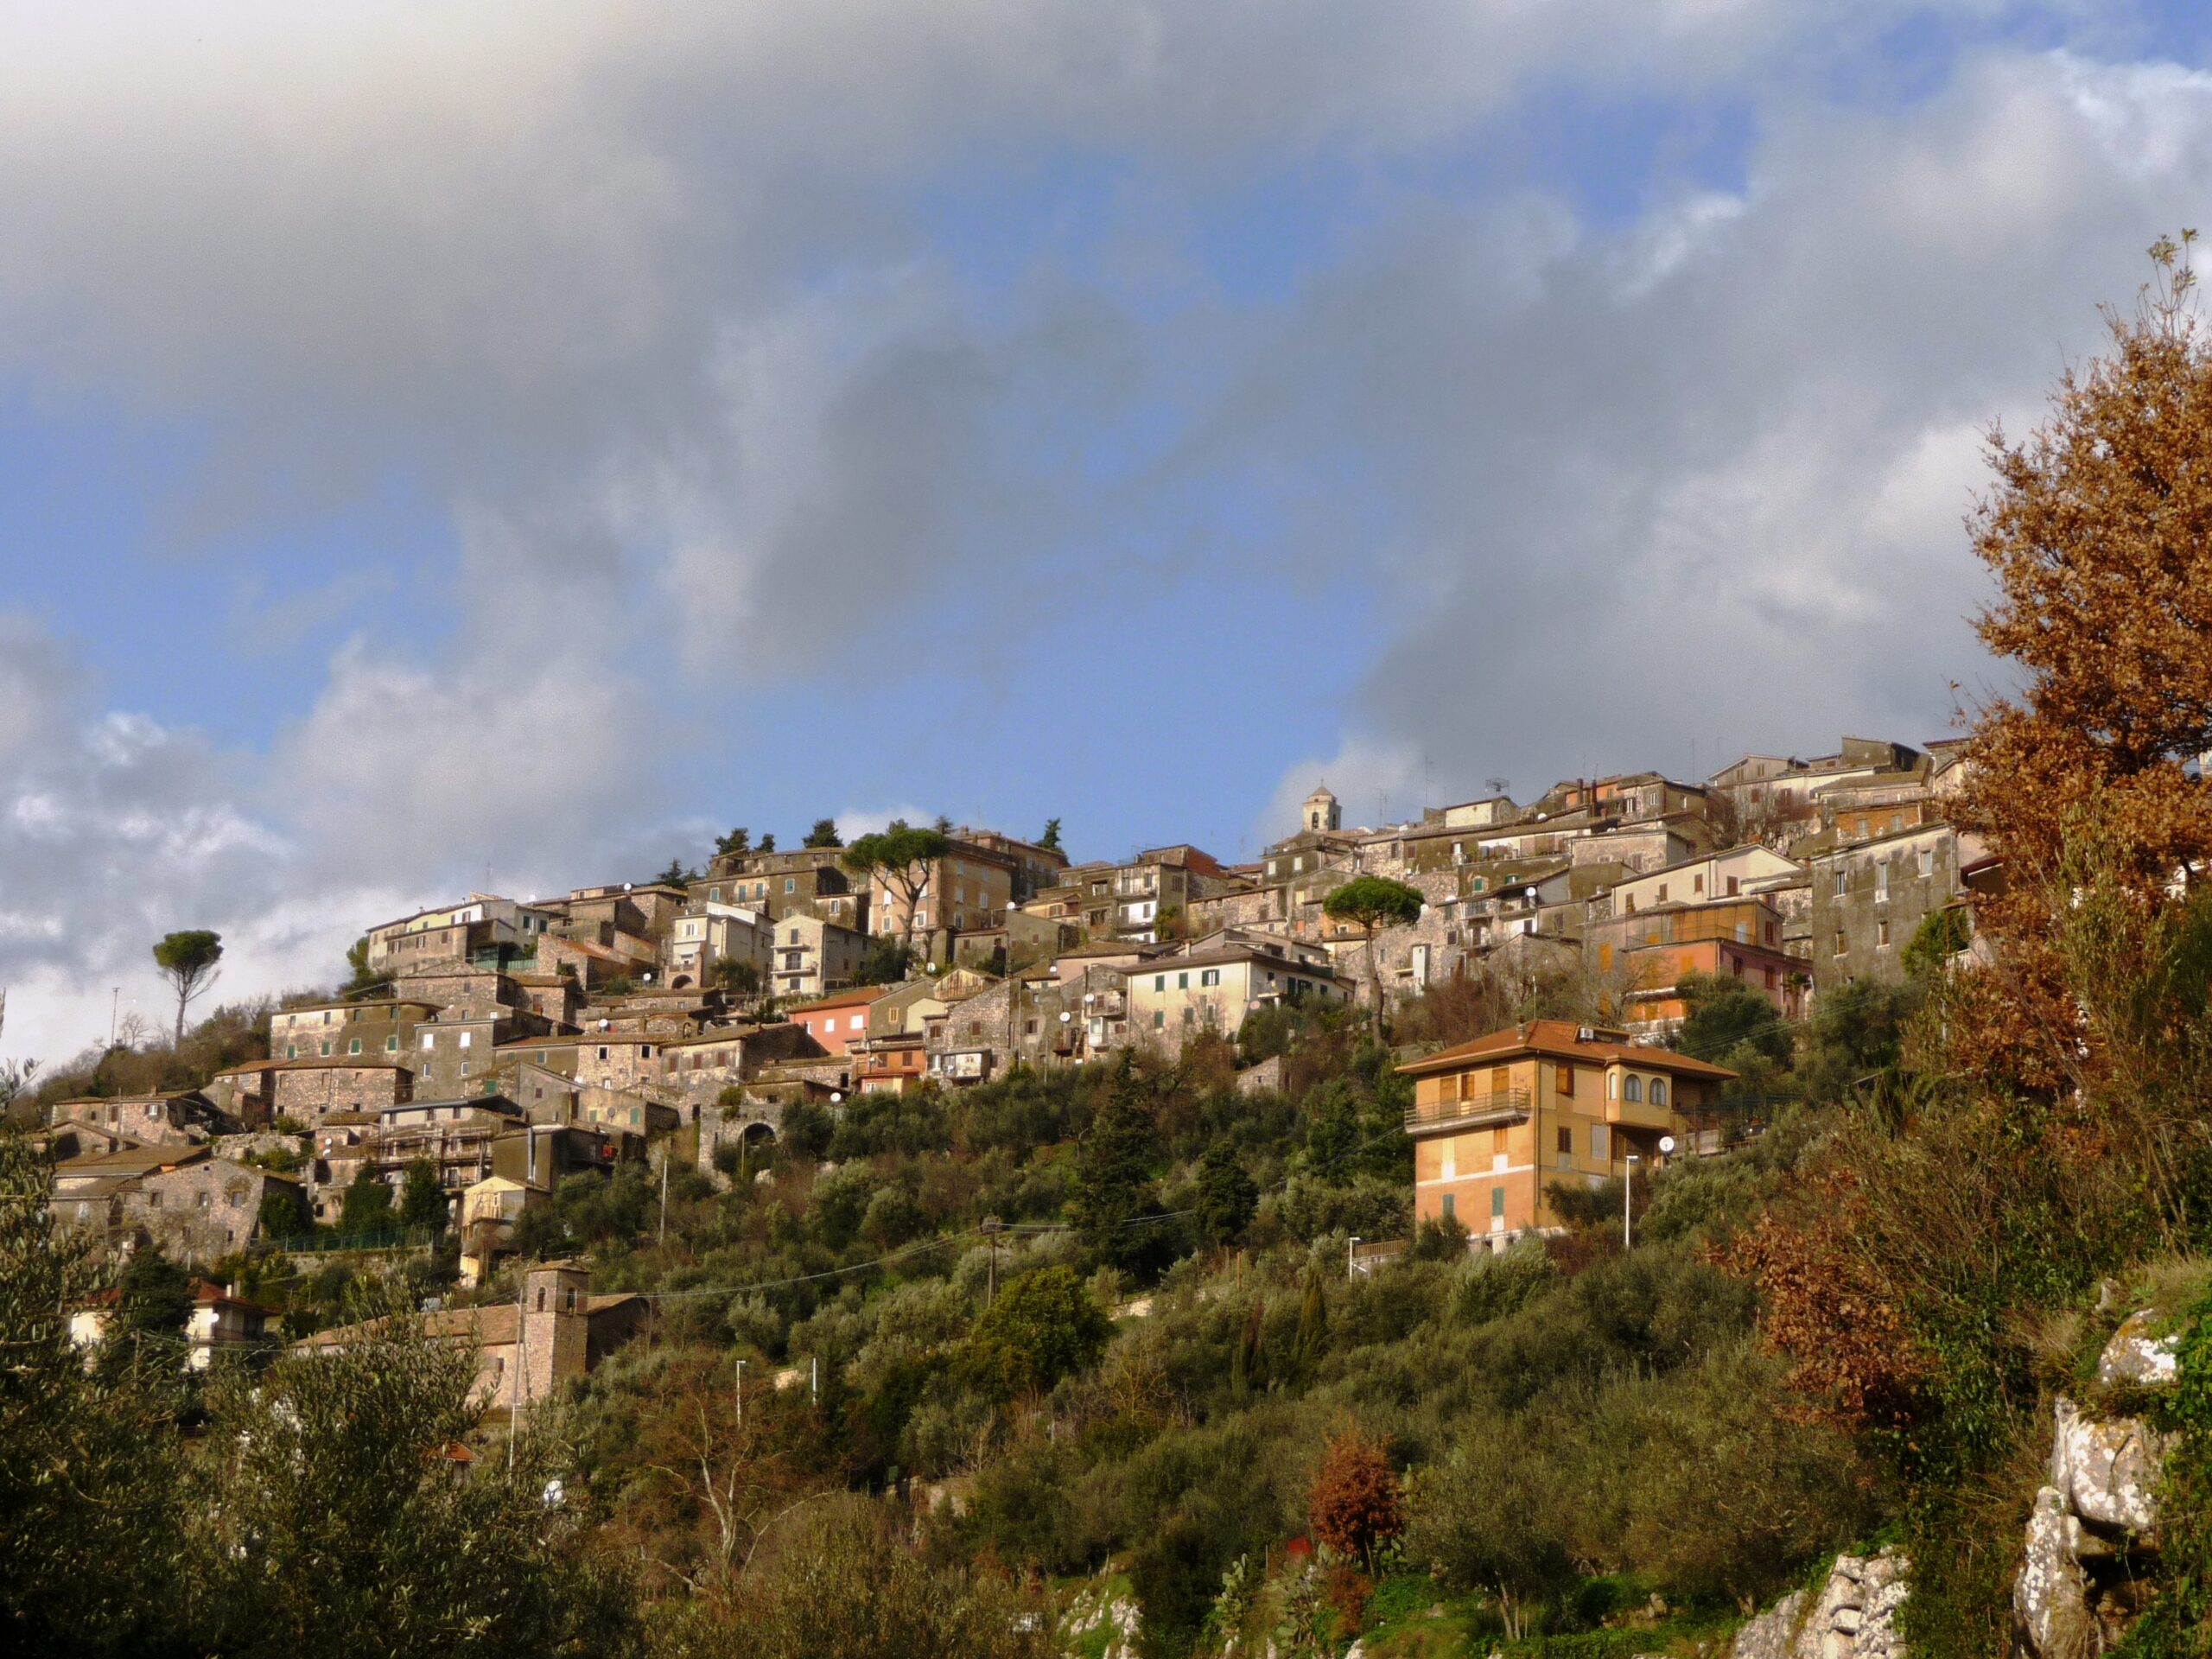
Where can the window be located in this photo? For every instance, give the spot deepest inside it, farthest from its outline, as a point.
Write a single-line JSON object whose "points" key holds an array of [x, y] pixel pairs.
{"points": [[1563, 1079], [1632, 1088], [1182, 981], [715, 894], [1658, 1091], [1210, 977], [1498, 1204], [1882, 934], [1159, 981], [1840, 946], [1497, 1141], [1597, 1142], [790, 884], [1663, 893], [353, 1048], [1732, 886], [429, 1040], [1840, 883], [1882, 879], [1566, 1138], [1190, 1014], [1927, 862], [465, 1036], [1501, 1079], [292, 1052], [392, 1043], [1446, 1210], [602, 1053], [1159, 1019], [323, 1048]]}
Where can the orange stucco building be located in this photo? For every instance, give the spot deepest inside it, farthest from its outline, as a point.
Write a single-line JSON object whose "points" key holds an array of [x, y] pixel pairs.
{"points": [[1497, 1121]]}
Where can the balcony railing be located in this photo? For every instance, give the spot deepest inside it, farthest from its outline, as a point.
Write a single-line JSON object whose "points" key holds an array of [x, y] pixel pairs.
{"points": [[1476, 1112]]}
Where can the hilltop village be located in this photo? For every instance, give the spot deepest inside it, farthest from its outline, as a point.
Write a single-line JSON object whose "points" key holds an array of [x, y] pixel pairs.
{"points": [[503, 1044]]}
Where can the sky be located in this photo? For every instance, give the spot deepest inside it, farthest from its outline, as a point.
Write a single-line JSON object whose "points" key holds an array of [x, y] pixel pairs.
{"points": [[503, 446]]}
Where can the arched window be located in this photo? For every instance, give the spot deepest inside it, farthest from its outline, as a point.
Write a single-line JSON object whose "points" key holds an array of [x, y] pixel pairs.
{"points": [[1658, 1091], [1632, 1090]]}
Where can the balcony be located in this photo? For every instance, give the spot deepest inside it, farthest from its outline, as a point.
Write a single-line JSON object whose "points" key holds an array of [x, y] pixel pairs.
{"points": [[1487, 1111], [1639, 1114]]}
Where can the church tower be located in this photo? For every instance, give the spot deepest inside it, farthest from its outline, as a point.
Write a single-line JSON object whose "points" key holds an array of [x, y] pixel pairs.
{"points": [[1322, 812]]}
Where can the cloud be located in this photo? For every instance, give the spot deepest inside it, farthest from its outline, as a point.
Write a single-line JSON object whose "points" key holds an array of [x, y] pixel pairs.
{"points": [[1715, 494], [667, 323]]}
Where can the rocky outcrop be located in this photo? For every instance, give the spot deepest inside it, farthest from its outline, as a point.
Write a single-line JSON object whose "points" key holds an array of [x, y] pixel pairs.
{"points": [[2094, 1526], [1853, 1616]]}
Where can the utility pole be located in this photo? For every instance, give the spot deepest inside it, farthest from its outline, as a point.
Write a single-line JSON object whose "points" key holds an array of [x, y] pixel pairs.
{"points": [[1628, 1212], [814, 1377], [666, 1148], [992, 1227], [114, 1004], [739, 1391]]}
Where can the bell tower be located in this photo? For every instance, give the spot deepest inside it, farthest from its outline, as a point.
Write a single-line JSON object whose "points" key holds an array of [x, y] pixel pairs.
{"points": [[1322, 812]]}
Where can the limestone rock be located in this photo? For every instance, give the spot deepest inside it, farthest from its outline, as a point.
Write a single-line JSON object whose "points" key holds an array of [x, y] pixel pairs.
{"points": [[2050, 1596], [2108, 1472], [1853, 1616], [2134, 1355]]}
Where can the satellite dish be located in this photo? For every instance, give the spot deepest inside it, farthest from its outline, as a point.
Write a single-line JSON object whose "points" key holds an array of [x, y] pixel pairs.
{"points": [[837, 1097], [1065, 1016], [1666, 1143]]}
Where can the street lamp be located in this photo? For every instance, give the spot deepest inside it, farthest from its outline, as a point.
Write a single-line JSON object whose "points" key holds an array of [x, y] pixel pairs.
{"points": [[1628, 1215]]}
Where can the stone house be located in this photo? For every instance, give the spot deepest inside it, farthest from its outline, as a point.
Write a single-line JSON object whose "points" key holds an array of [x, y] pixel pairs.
{"points": [[554, 998], [708, 933], [703, 1065], [380, 1028], [558, 1331], [482, 928], [1750, 868], [1035, 868], [804, 881], [592, 962], [604, 1059], [472, 992], [1038, 1019], [206, 1209], [970, 887], [262, 1092], [1496, 1122], [811, 958], [177, 1117], [1869, 898], [1216, 982]]}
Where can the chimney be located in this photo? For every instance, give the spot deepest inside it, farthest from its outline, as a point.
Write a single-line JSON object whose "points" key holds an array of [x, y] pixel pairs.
{"points": [[1521, 1031]]}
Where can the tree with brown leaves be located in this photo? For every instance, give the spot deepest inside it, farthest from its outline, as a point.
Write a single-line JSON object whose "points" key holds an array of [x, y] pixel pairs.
{"points": [[2098, 533], [1354, 1504]]}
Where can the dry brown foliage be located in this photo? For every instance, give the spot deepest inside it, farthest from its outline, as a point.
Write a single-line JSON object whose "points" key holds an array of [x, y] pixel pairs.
{"points": [[1355, 1501], [1855, 1360], [2098, 533]]}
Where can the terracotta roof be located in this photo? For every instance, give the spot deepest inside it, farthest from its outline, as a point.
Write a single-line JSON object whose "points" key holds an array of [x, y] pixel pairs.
{"points": [[1557, 1039], [859, 994]]}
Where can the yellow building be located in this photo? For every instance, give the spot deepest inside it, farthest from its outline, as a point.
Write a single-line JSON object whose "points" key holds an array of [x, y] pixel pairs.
{"points": [[1497, 1121]]}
